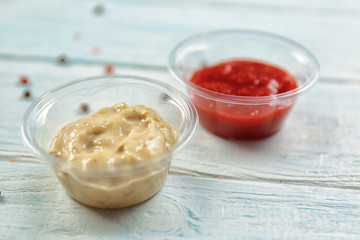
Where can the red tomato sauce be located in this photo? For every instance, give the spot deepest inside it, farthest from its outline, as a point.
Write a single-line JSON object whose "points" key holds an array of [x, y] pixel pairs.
{"points": [[242, 78]]}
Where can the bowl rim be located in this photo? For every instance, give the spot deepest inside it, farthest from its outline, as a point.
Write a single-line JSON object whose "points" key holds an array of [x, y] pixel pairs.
{"points": [[234, 99], [185, 106]]}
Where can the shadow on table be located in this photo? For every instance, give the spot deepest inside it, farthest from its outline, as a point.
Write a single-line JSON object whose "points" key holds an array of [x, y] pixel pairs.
{"points": [[112, 213], [116, 213]]}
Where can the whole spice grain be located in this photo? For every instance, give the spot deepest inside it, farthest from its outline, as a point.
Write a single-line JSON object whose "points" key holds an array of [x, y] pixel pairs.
{"points": [[95, 50], [27, 93], [99, 9], [23, 80], [62, 59], [77, 36], [84, 107], [109, 68]]}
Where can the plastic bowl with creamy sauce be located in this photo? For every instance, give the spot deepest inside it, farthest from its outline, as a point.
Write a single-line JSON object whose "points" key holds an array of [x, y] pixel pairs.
{"points": [[121, 183]]}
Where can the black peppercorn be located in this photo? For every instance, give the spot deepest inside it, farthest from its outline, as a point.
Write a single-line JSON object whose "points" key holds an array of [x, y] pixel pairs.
{"points": [[84, 107], [27, 94]]}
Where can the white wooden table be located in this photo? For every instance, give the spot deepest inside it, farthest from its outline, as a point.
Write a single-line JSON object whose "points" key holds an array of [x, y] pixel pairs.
{"points": [[304, 182]]}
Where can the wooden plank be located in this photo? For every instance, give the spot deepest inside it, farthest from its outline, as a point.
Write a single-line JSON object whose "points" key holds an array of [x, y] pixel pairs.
{"points": [[318, 146], [295, 183], [143, 33], [187, 207], [301, 183]]}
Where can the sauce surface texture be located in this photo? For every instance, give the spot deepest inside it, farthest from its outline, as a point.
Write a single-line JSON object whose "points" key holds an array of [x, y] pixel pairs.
{"points": [[242, 78], [108, 138], [114, 135]]}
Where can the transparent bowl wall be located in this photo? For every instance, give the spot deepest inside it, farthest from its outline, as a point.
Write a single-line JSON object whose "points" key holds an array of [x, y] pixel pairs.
{"points": [[125, 184], [256, 117]]}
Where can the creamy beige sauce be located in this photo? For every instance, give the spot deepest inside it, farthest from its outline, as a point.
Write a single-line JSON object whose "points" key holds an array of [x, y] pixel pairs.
{"points": [[106, 139]]}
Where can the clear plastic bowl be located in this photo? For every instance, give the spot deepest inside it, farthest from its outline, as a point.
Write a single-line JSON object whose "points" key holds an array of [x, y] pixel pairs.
{"points": [[242, 117], [124, 184]]}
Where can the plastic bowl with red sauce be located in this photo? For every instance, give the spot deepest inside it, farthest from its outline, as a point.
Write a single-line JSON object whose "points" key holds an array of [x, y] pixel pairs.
{"points": [[243, 83]]}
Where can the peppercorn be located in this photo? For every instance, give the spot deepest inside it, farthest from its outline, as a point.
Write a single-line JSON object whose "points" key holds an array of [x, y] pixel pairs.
{"points": [[99, 9], [77, 36], [96, 50], [84, 107], [27, 93], [62, 59], [109, 68], [24, 80]]}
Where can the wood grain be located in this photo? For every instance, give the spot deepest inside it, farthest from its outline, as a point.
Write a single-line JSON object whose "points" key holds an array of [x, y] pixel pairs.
{"points": [[187, 207], [320, 145], [294, 183], [143, 33], [303, 182]]}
